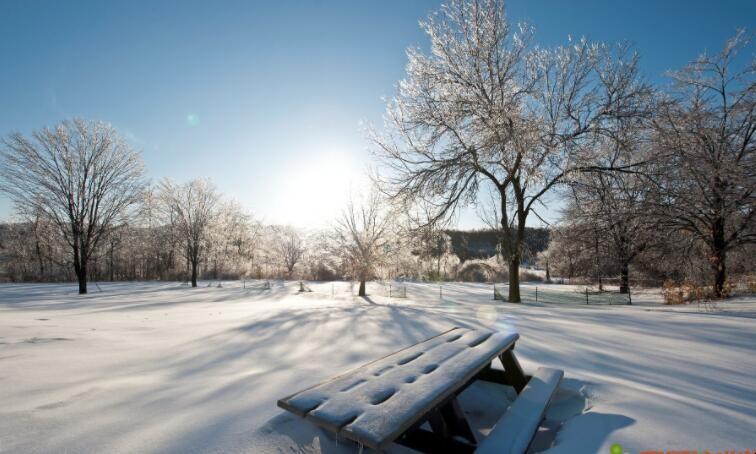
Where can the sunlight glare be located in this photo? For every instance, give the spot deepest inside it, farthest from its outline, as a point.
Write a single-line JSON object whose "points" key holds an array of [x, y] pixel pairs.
{"points": [[315, 191]]}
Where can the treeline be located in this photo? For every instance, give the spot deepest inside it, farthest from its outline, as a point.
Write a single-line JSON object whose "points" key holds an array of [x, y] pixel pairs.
{"points": [[235, 245]]}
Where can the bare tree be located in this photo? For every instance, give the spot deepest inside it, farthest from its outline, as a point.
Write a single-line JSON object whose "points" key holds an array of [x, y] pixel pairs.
{"points": [[290, 248], [191, 208], [363, 234], [157, 245], [615, 206], [39, 237], [487, 107], [706, 132], [80, 175], [231, 238]]}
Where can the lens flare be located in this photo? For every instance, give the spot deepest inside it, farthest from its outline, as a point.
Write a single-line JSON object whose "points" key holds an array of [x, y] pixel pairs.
{"points": [[192, 119], [492, 318]]}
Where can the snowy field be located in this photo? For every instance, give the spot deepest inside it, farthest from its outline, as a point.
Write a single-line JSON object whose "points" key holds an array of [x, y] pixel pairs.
{"points": [[160, 367]]}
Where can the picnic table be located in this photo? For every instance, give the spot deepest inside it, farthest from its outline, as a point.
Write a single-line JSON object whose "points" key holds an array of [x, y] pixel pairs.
{"points": [[390, 399]]}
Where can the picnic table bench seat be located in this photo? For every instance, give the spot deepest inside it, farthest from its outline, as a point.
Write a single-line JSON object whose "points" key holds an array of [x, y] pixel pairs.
{"points": [[514, 431], [389, 399]]}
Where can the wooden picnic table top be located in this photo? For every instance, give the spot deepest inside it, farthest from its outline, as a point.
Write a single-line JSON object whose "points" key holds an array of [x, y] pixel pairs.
{"points": [[377, 402]]}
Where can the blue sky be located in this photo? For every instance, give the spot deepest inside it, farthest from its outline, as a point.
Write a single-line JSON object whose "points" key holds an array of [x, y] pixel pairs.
{"points": [[267, 97]]}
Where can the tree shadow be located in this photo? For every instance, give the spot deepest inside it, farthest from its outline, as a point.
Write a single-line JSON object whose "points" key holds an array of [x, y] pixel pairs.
{"points": [[295, 435], [587, 432]]}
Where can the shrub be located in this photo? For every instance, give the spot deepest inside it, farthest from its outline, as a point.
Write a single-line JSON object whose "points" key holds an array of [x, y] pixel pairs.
{"points": [[526, 275], [476, 271], [685, 292], [674, 293]]}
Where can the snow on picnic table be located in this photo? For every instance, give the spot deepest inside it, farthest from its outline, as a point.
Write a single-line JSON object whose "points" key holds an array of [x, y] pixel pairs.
{"points": [[160, 367]]}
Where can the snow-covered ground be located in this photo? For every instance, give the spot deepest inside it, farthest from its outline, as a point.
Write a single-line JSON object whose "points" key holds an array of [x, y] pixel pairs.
{"points": [[160, 367]]}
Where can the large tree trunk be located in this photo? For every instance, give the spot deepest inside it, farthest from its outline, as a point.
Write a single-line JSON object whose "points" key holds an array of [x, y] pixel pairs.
{"points": [[718, 257], [514, 279], [511, 246], [624, 277], [81, 274], [80, 265], [720, 277], [40, 259], [361, 291], [513, 260], [194, 273], [111, 271], [598, 262]]}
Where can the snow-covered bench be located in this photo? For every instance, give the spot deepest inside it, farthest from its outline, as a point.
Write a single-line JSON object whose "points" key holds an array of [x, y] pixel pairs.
{"points": [[516, 428], [389, 399]]}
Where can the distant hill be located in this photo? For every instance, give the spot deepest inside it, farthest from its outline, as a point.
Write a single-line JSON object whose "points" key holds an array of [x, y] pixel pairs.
{"points": [[481, 244]]}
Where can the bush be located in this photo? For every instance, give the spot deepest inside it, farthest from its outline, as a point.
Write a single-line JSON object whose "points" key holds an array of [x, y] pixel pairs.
{"points": [[685, 292], [526, 275], [324, 273], [476, 272], [674, 293]]}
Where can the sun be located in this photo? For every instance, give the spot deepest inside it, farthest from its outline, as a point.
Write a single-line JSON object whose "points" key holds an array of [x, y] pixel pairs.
{"points": [[318, 187]]}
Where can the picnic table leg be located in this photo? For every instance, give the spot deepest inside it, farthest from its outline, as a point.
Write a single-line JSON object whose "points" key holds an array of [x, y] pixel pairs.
{"points": [[512, 370], [456, 421], [438, 424], [447, 422]]}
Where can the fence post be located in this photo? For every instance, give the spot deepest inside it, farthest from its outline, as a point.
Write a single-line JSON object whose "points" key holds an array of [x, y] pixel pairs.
{"points": [[389, 290], [586, 295], [244, 283], [440, 292], [629, 298], [536, 294]]}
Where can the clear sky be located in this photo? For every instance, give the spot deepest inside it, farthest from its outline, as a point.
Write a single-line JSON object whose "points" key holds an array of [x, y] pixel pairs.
{"points": [[266, 98]]}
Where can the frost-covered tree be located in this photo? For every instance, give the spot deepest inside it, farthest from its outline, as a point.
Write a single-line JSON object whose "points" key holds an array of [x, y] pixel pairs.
{"points": [[320, 263], [705, 131], [615, 206], [611, 207], [362, 236], [231, 238], [486, 109], [290, 248], [35, 244], [577, 250], [81, 176], [30, 250], [190, 209], [156, 241]]}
